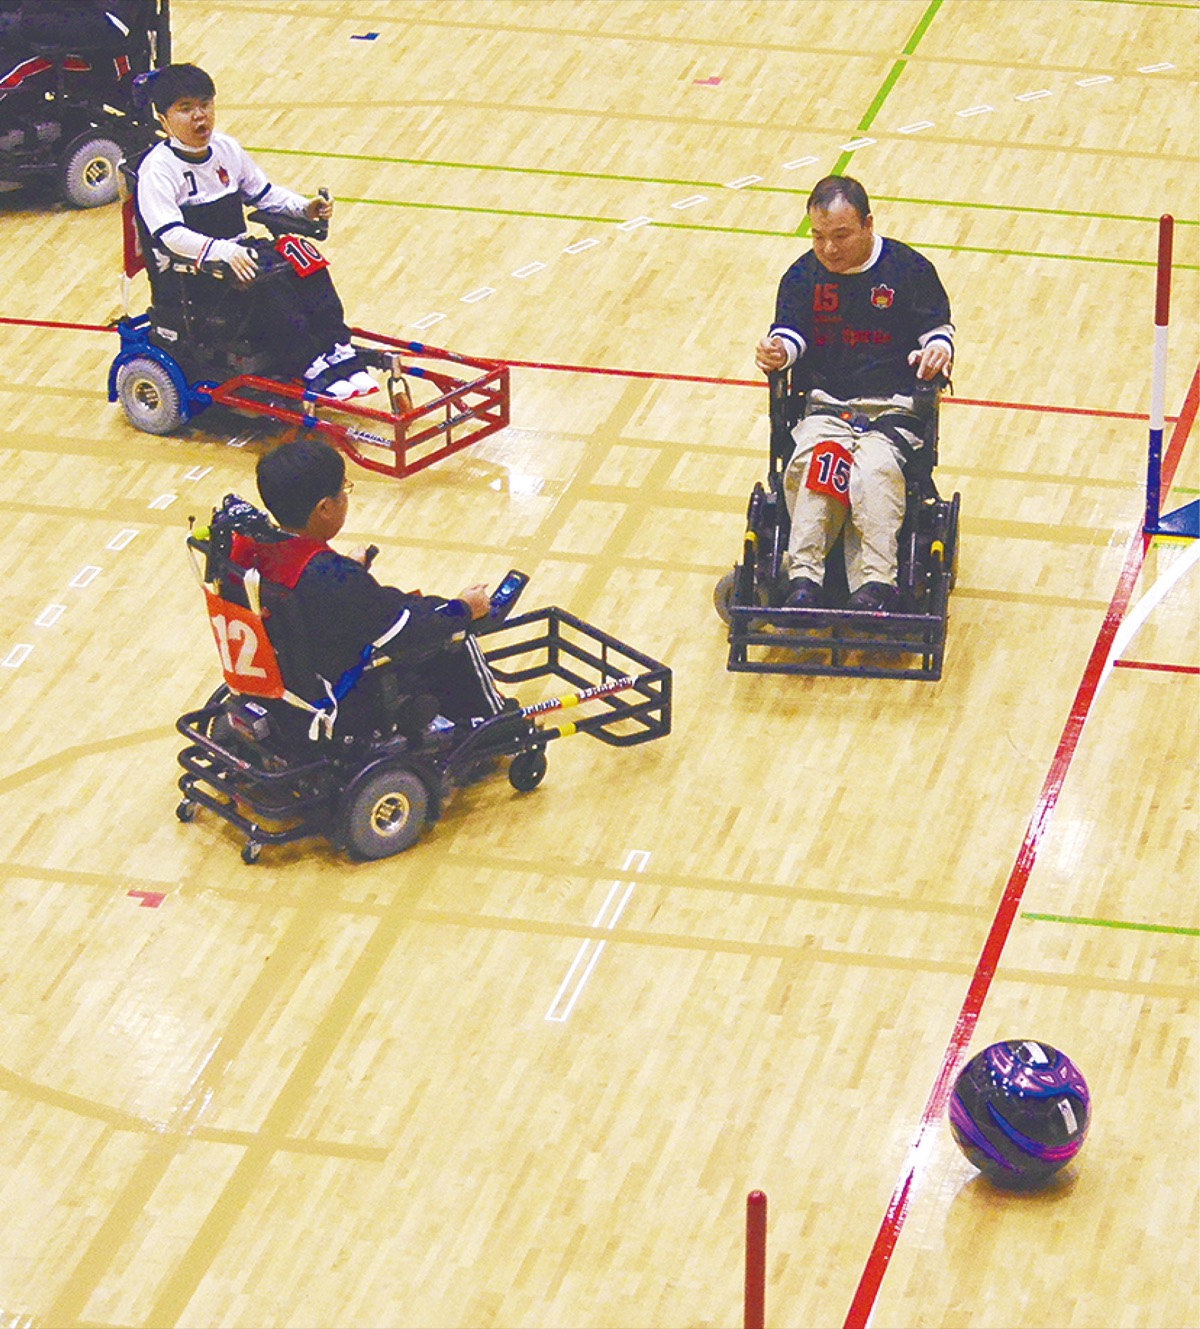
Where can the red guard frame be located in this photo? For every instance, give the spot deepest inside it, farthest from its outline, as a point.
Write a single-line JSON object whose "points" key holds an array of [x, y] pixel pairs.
{"points": [[465, 409]]}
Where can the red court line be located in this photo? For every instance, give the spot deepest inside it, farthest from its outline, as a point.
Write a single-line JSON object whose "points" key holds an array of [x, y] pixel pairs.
{"points": [[1161, 668], [989, 959], [681, 378]]}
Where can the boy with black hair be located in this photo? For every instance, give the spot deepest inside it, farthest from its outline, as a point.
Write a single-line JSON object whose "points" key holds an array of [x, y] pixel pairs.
{"points": [[304, 486], [191, 191]]}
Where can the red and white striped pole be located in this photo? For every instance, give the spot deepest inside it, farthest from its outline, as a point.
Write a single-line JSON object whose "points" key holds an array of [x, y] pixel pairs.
{"points": [[1158, 380], [756, 1260]]}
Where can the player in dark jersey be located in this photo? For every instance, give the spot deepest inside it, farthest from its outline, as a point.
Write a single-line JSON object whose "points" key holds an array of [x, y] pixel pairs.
{"points": [[867, 315], [191, 191]]}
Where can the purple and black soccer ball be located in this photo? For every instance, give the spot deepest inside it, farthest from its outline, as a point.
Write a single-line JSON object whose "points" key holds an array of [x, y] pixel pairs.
{"points": [[1020, 1110]]}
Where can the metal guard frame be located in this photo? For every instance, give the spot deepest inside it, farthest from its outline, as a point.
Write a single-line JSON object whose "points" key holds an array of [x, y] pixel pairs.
{"points": [[470, 408]]}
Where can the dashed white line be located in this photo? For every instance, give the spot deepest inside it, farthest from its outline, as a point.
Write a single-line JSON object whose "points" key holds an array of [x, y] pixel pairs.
{"points": [[974, 110], [481, 293], [855, 144], [197, 473], [1033, 96], [915, 127], [429, 320], [49, 616], [580, 245], [744, 183], [1091, 82], [633, 224], [162, 501], [84, 577], [799, 162], [17, 656], [1155, 69], [121, 540], [528, 270], [690, 202]]}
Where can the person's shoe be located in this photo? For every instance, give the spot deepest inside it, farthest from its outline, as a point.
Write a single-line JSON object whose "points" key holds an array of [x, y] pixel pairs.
{"points": [[803, 593], [875, 597], [318, 366], [342, 350], [362, 383], [343, 389]]}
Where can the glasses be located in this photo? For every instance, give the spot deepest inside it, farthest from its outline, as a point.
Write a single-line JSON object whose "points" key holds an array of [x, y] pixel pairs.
{"points": [[347, 487]]}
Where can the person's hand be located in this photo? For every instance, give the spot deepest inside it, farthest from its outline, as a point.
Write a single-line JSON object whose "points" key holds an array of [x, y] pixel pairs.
{"points": [[478, 599], [364, 554], [934, 359], [244, 265], [770, 354], [319, 208]]}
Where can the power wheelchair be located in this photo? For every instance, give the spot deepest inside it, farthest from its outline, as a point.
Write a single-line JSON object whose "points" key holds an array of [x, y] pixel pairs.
{"points": [[65, 98], [197, 346], [278, 768], [909, 642]]}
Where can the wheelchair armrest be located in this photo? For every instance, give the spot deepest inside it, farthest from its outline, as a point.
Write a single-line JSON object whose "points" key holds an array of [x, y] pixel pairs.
{"points": [[278, 224]]}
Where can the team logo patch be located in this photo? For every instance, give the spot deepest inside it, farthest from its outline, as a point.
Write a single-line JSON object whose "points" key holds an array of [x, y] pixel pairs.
{"points": [[223, 176], [882, 297]]}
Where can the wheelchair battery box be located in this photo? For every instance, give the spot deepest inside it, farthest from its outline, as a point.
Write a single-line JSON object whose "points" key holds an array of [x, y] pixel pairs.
{"points": [[250, 720]]}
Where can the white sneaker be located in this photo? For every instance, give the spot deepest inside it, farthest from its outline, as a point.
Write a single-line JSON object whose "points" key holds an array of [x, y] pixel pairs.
{"points": [[362, 383], [341, 351], [342, 389], [318, 366]]}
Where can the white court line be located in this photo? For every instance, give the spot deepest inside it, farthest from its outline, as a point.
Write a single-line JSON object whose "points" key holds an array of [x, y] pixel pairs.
{"points": [[49, 616], [84, 577], [162, 501], [197, 473], [635, 861], [580, 245], [800, 161], [17, 656], [744, 183], [529, 269], [429, 320], [1033, 96], [916, 125], [974, 110], [855, 144], [689, 202], [1141, 611], [632, 224], [481, 293], [121, 540], [1155, 69], [1091, 82]]}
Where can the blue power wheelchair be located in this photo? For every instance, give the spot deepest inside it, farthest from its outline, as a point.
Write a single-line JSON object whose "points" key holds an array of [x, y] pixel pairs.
{"points": [[907, 642], [66, 91], [201, 344], [279, 768]]}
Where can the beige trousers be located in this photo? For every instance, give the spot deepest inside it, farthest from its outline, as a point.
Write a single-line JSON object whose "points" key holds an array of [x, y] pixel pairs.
{"points": [[872, 522]]}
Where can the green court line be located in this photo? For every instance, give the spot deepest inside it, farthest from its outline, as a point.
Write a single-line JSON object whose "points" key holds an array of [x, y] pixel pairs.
{"points": [[839, 167], [750, 230], [1112, 923]]}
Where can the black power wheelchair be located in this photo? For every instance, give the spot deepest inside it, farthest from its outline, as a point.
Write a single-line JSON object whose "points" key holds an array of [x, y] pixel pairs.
{"points": [[66, 89], [908, 642], [277, 767], [201, 344]]}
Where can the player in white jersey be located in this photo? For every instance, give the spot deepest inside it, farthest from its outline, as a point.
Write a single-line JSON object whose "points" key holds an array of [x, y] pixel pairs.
{"points": [[190, 194]]}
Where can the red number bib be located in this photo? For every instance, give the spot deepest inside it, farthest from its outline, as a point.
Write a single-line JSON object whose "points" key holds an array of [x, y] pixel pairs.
{"points": [[829, 471], [302, 254]]}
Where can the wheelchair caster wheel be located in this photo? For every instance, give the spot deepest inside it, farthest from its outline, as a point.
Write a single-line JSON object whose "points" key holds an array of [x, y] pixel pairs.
{"points": [[250, 852], [186, 810], [723, 596], [526, 771]]}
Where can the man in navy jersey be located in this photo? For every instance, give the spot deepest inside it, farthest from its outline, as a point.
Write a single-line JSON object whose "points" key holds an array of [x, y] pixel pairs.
{"points": [[191, 191], [868, 316]]}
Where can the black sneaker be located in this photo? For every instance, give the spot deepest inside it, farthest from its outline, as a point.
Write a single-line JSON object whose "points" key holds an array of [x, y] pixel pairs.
{"points": [[804, 593], [875, 597]]}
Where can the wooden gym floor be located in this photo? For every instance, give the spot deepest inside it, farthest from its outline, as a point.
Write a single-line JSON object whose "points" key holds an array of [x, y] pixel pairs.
{"points": [[317, 1093]]}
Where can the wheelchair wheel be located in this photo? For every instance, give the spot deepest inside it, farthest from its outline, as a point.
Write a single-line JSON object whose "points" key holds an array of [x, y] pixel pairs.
{"points": [[149, 396], [385, 812], [723, 596], [527, 770], [89, 173]]}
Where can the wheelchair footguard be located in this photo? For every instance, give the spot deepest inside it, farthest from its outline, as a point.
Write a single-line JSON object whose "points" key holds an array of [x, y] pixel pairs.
{"points": [[373, 797], [466, 399]]}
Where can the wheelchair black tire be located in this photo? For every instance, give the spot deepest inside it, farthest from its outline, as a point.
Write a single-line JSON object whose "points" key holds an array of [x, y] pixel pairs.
{"points": [[527, 770], [723, 596], [89, 177], [384, 813], [149, 396]]}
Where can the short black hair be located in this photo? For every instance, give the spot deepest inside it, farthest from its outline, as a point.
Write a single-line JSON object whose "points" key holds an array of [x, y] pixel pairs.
{"points": [[295, 477], [174, 82], [827, 192]]}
